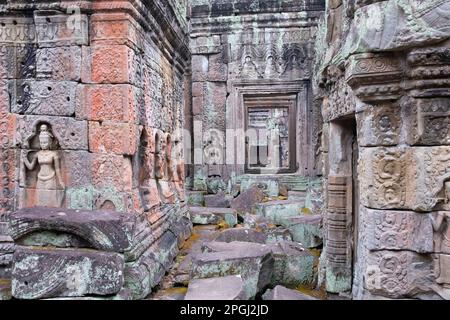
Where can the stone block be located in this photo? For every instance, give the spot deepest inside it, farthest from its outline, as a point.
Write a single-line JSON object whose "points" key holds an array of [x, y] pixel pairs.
{"points": [[279, 211], [221, 288], [48, 273], [43, 97], [199, 68], [283, 293], [102, 230], [111, 172], [307, 230], [254, 264], [107, 102], [70, 133], [115, 29], [59, 63], [398, 230], [18, 31], [118, 138], [18, 61], [203, 215], [7, 130], [54, 29], [5, 289], [195, 198], [398, 274], [294, 265]]}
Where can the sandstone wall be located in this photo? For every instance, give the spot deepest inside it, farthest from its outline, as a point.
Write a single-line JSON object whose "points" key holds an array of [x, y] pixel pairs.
{"points": [[384, 66]]}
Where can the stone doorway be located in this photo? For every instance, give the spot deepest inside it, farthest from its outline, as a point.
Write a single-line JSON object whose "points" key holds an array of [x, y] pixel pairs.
{"points": [[343, 203]]}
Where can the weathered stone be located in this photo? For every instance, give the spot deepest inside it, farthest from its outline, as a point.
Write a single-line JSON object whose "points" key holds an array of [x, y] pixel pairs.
{"points": [[223, 288], [102, 230], [43, 97], [246, 201], [195, 198], [47, 273], [242, 235], [71, 134], [254, 264], [204, 215], [283, 293], [5, 289], [307, 230], [61, 63], [279, 211], [118, 138], [219, 200], [294, 265]]}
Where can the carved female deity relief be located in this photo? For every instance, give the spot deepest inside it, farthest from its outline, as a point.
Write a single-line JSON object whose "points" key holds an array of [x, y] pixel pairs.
{"points": [[41, 170], [441, 225]]}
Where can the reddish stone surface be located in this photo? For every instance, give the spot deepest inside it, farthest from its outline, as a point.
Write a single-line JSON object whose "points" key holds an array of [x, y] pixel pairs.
{"points": [[114, 28], [119, 138]]}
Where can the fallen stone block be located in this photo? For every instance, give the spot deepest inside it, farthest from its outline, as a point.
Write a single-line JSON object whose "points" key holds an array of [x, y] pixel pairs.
{"points": [[142, 275], [204, 215], [254, 264], [246, 201], [5, 289], [277, 234], [242, 235], [282, 293], [219, 200], [221, 288], [307, 230], [102, 230], [48, 272]]}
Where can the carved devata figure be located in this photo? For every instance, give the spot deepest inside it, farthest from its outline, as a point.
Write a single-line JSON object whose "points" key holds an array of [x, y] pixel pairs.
{"points": [[49, 184]]}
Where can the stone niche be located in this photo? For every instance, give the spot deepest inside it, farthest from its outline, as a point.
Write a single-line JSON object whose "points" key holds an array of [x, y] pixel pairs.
{"points": [[385, 64], [91, 120], [252, 69]]}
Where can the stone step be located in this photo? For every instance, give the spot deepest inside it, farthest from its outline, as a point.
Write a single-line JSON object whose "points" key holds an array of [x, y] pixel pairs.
{"points": [[307, 230], [252, 261], [205, 216], [220, 288], [283, 293], [195, 198]]}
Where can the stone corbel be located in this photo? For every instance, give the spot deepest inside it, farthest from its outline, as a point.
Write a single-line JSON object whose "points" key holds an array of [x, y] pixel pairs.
{"points": [[375, 77]]}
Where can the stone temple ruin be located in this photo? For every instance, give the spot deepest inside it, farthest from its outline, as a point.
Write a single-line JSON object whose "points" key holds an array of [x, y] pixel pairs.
{"points": [[242, 149]]}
